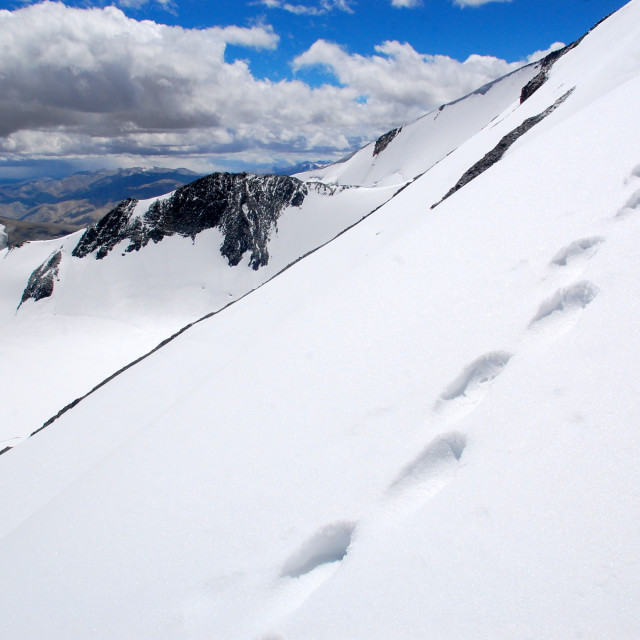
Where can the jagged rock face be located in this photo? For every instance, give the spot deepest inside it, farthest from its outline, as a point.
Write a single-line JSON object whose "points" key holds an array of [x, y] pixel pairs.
{"points": [[245, 207], [383, 141], [41, 281], [545, 66], [109, 230]]}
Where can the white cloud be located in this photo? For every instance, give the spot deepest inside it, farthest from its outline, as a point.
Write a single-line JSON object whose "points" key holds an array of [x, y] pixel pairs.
{"points": [[406, 4], [399, 75], [538, 55], [320, 8], [169, 5], [92, 83]]}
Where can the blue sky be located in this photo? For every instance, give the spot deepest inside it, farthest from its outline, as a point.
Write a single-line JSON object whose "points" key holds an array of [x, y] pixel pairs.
{"points": [[508, 30], [236, 84]]}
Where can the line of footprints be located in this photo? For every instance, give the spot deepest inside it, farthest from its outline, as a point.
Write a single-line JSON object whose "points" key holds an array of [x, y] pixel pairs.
{"points": [[437, 464]]}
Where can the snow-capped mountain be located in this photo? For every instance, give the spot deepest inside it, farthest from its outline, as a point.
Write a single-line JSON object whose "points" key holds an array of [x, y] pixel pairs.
{"points": [[427, 427], [144, 271]]}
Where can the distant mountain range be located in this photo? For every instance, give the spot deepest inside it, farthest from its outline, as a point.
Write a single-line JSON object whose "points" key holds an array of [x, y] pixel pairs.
{"points": [[307, 165], [48, 208], [83, 198]]}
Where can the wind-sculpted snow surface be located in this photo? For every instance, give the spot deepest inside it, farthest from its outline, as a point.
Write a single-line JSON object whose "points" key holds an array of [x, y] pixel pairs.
{"points": [[244, 207]]}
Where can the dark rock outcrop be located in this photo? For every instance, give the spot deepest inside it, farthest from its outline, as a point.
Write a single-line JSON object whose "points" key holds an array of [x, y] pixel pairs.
{"points": [[244, 207], [500, 149], [383, 141], [41, 281], [548, 61], [545, 66]]}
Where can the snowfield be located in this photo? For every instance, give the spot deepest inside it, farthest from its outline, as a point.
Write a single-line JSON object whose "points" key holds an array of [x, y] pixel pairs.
{"points": [[105, 313], [427, 428]]}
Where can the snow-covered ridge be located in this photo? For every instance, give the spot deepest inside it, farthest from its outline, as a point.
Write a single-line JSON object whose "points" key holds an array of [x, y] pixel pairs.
{"points": [[244, 207], [146, 270], [401, 154]]}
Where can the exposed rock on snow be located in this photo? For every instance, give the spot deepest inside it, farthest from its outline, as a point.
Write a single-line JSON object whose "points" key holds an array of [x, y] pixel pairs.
{"points": [[244, 207], [41, 281], [547, 62], [545, 66], [383, 141], [501, 148]]}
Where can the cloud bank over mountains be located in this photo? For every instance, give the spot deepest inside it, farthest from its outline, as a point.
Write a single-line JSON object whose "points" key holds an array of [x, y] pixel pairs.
{"points": [[94, 82]]}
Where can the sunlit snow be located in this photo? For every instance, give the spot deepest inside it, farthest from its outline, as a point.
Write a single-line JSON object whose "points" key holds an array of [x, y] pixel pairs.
{"points": [[427, 428]]}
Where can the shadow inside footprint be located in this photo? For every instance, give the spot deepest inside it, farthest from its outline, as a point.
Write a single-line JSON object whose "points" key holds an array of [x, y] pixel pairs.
{"points": [[432, 469], [329, 544], [566, 302], [468, 389], [585, 247], [631, 205]]}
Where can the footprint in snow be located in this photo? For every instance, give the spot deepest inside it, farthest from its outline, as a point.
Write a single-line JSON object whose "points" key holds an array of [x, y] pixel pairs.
{"points": [[432, 470], [329, 545], [635, 173], [560, 311], [583, 249], [470, 387], [632, 205]]}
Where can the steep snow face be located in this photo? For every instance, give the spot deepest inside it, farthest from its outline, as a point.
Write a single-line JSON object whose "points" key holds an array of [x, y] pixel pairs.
{"points": [[401, 155], [427, 428], [81, 318]]}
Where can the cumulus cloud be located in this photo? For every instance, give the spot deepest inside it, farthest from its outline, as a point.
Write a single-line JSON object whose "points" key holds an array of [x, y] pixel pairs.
{"points": [[538, 55], [399, 75], [92, 83]]}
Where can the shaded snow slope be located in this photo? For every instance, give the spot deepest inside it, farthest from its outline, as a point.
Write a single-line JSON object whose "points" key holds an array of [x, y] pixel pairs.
{"points": [[81, 319], [427, 428]]}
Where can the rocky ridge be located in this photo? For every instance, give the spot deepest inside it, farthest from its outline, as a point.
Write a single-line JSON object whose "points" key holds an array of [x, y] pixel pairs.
{"points": [[244, 207], [493, 156], [42, 279]]}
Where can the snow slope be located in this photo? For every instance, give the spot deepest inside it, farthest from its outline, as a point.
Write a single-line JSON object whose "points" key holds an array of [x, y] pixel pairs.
{"points": [[427, 428], [104, 313], [420, 145]]}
